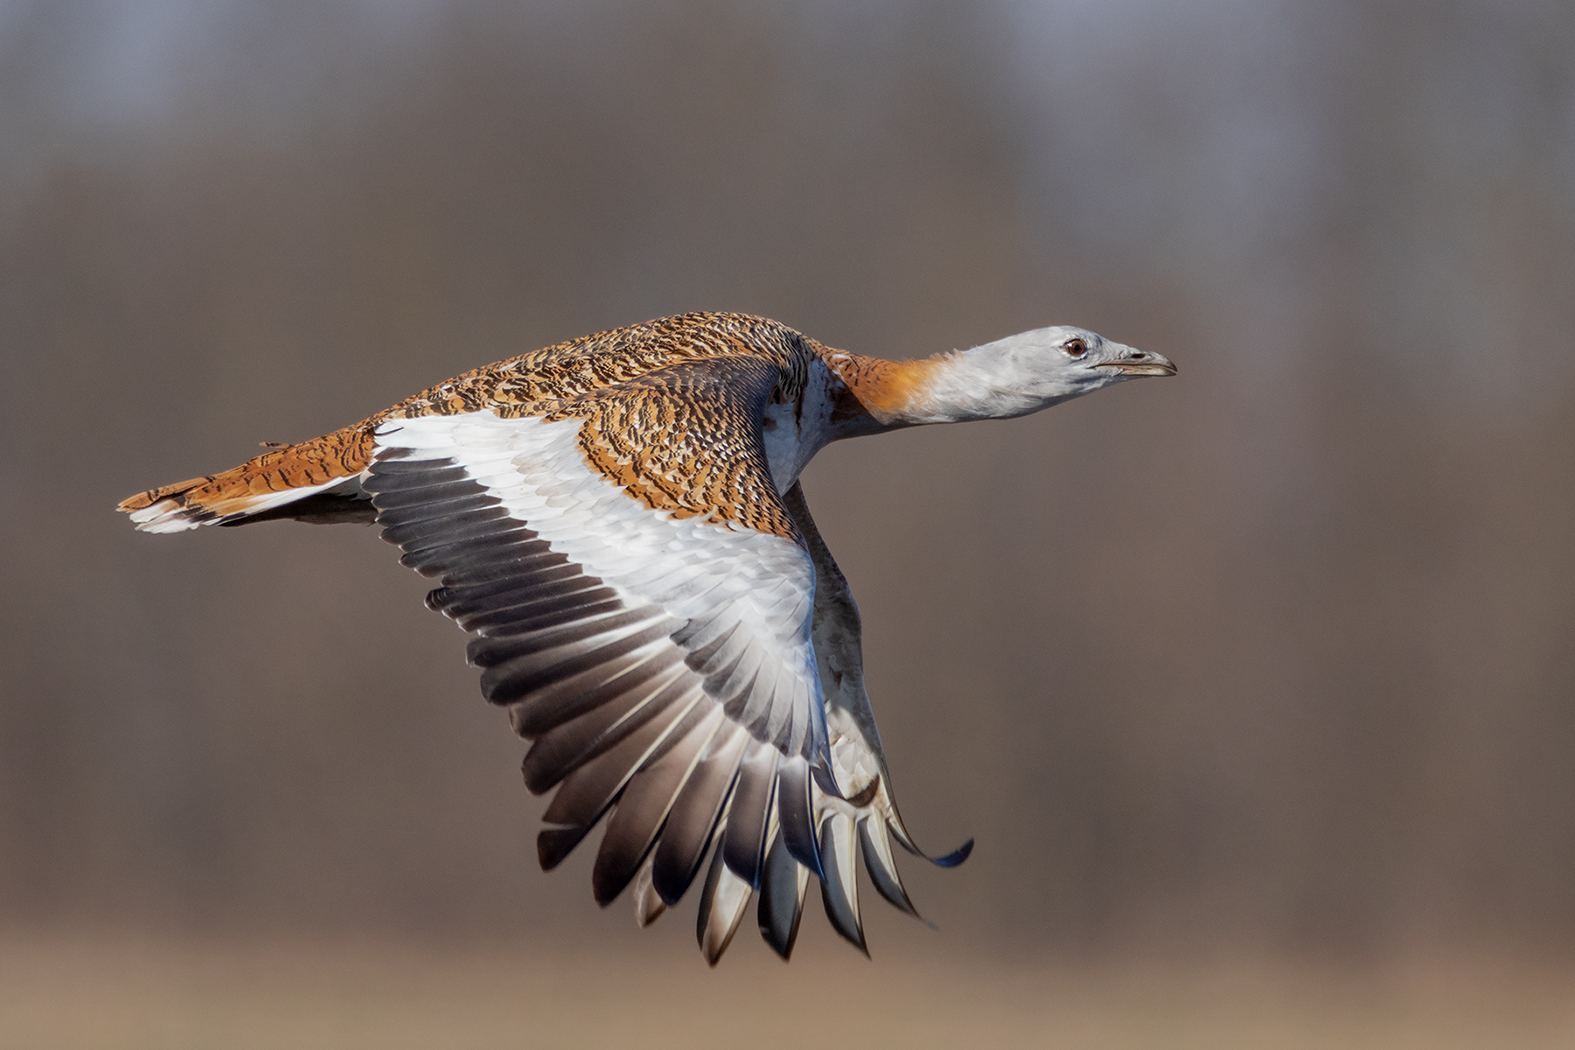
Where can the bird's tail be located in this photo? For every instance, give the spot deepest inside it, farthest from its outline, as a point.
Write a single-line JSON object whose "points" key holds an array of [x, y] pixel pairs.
{"points": [[317, 480]]}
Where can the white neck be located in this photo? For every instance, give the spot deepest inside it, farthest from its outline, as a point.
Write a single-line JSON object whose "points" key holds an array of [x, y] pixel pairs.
{"points": [[998, 380]]}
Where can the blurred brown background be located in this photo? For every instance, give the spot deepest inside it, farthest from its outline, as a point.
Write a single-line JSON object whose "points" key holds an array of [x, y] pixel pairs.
{"points": [[1275, 658]]}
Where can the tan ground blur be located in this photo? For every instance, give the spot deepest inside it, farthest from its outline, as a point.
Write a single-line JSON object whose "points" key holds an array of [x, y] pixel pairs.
{"points": [[132, 992]]}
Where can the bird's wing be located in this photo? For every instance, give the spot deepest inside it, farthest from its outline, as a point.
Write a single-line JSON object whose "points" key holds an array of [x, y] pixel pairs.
{"points": [[659, 659], [863, 818], [647, 606]]}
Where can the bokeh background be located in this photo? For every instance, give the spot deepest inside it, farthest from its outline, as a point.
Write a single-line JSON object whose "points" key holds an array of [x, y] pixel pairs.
{"points": [[1268, 669]]}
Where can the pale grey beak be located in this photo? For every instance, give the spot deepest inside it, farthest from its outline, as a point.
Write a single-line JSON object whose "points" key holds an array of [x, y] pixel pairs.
{"points": [[1140, 363]]}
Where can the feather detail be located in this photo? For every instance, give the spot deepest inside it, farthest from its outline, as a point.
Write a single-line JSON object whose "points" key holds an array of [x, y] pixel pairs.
{"points": [[839, 887], [782, 890], [648, 904], [722, 905]]}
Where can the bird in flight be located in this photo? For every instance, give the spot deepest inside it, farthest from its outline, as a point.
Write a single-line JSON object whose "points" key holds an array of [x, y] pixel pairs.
{"points": [[618, 522]]}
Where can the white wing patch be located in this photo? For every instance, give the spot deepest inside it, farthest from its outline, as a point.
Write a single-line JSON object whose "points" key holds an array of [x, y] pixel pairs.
{"points": [[754, 593]]}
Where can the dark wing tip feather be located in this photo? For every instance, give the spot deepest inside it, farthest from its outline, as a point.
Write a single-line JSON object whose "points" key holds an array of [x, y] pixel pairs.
{"points": [[796, 813], [888, 883], [586, 794], [839, 886], [722, 903], [955, 857], [648, 904], [553, 845], [693, 822], [749, 818], [950, 860], [781, 899], [560, 750], [647, 802]]}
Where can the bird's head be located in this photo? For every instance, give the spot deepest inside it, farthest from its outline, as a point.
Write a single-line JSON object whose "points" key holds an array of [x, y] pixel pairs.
{"points": [[1030, 371]]}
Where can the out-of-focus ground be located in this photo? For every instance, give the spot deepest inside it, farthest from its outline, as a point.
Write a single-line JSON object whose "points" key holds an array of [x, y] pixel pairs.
{"points": [[1272, 661], [129, 993]]}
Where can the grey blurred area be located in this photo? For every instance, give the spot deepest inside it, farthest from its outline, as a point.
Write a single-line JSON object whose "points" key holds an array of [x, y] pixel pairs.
{"points": [[1277, 655]]}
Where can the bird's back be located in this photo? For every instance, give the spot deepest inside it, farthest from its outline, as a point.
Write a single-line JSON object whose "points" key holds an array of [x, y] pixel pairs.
{"points": [[315, 480]]}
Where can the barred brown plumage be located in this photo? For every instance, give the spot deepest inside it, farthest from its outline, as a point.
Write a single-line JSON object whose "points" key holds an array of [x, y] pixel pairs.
{"points": [[618, 522]]}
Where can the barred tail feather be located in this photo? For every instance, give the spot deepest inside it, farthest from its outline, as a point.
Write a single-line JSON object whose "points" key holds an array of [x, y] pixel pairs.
{"points": [[317, 481]]}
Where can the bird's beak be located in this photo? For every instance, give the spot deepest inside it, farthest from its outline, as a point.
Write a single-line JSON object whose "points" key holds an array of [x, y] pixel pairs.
{"points": [[1140, 363]]}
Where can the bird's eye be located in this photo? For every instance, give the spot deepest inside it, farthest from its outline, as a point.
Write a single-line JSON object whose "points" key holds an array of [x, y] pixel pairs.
{"points": [[1075, 347]]}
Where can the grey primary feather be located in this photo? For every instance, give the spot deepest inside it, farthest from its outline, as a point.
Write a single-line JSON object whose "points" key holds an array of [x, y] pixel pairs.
{"points": [[796, 814], [949, 860], [652, 667], [648, 904], [880, 864], [589, 791], [496, 616], [462, 602], [551, 605], [695, 813], [748, 819], [839, 887], [645, 805], [560, 750], [517, 678], [401, 480], [782, 890], [722, 905], [472, 517], [553, 845], [551, 654], [481, 561]]}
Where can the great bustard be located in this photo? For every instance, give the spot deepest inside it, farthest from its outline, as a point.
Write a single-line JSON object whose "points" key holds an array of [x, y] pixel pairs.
{"points": [[618, 521]]}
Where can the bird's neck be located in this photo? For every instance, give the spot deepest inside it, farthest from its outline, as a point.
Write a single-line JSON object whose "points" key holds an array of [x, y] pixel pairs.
{"points": [[953, 387]]}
